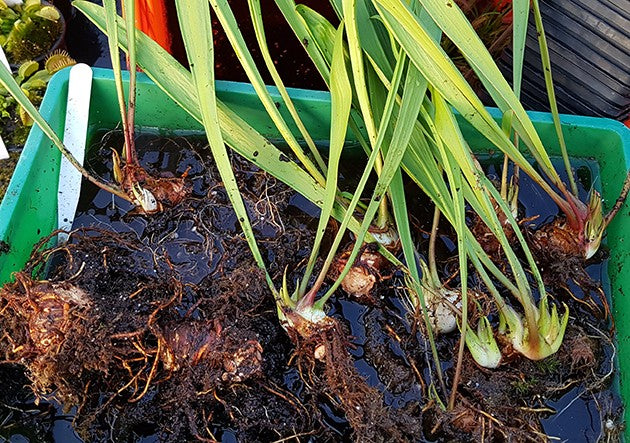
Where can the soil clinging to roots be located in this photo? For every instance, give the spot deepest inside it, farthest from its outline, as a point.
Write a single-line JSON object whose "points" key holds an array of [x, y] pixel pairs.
{"points": [[163, 325], [142, 340]]}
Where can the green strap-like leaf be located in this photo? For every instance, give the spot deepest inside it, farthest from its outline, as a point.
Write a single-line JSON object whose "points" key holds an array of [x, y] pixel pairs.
{"points": [[230, 26], [130, 20], [375, 40], [454, 174], [8, 82], [177, 83], [299, 27], [341, 101], [259, 29], [114, 53], [358, 69], [520, 17], [439, 70], [322, 34], [551, 93]]}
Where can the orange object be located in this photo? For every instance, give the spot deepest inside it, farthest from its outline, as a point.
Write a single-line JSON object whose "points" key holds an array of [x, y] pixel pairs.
{"points": [[152, 19], [500, 5], [158, 19]]}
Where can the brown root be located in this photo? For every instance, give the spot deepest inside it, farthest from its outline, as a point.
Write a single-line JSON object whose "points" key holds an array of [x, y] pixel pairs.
{"points": [[195, 343], [556, 242], [101, 334], [467, 423], [488, 240], [167, 192], [368, 270], [49, 309], [558, 252], [504, 404], [362, 404]]}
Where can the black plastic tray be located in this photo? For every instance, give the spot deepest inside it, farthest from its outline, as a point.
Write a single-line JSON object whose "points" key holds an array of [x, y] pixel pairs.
{"points": [[589, 45]]}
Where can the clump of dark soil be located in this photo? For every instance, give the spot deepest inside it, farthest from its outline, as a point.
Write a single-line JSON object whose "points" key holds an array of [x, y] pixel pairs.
{"points": [[323, 360], [163, 325], [108, 328], [167, 327], [509, 403]]}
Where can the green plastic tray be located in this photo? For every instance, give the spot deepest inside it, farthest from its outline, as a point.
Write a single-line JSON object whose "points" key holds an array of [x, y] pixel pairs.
{"points": [[28, 211]]}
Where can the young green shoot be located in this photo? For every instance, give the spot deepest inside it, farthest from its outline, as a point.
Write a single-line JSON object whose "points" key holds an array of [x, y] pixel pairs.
{"points": [[540, 333], [341, 101], [483, 346]]}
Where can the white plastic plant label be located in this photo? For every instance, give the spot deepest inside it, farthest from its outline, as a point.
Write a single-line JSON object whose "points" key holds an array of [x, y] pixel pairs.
{"points": [[74, 138], [4, 154]]}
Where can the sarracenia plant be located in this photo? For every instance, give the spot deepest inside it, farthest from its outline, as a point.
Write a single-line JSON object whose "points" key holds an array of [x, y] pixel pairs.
{"points": [[388, 144], [300, 313], [186, 104], [176, 81], [237, 134], [136, 185], [586, 221], [150, 193], [382, 229], [540, 333]]}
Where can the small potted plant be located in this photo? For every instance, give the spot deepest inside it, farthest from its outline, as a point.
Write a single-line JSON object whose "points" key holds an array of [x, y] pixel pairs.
{"points": [[30, 30], [15, 124]]}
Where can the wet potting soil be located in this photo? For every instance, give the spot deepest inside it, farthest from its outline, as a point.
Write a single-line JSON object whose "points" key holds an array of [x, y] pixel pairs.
{"points": [[198, 351]]}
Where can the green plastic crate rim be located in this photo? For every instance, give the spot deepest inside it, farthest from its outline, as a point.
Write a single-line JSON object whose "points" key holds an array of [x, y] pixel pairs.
{"points": [[28, 211]]}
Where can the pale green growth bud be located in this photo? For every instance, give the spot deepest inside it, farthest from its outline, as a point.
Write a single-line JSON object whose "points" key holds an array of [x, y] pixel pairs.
{"points": [[512, 195], [548, 331], [483, 346], [443, 304], [594, 227], [300, 317], [388, 237], [145, 198]]}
